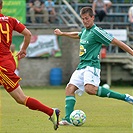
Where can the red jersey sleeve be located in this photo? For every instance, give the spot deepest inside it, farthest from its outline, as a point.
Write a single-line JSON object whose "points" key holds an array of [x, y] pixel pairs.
{"points": [[17, 25]]}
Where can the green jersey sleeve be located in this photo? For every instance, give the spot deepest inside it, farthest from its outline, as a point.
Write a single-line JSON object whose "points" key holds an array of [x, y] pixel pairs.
{"points": [[102, 36]]}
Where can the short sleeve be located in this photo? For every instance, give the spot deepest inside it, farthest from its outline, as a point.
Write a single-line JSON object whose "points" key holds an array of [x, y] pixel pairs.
{"points": [[102, 36], [17, 26]]}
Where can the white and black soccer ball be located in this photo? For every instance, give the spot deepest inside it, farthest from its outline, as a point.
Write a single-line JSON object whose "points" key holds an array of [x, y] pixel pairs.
{"points": [[77, 117]]}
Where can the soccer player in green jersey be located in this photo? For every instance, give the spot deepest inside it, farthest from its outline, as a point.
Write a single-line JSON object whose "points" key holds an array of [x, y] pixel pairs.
{"points": [[87, 75]]}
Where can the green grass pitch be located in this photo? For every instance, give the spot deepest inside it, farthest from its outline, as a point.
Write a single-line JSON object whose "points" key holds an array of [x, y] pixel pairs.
{"points": [[103, 115]]}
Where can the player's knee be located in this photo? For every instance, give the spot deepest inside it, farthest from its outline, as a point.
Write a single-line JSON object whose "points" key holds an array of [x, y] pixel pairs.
{"points": [[70, 89], [90, 89]]}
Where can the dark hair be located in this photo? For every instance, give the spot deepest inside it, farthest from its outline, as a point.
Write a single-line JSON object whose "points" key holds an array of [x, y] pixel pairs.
{"points": [[87, 10], [1, 1]]}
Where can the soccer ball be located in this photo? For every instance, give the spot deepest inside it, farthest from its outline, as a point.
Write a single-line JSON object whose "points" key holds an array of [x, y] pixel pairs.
{"points": [[106, 86], [77, 117]]}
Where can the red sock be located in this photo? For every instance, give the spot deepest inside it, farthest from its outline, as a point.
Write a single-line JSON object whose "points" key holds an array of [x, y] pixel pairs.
{"points": [[34, 104]]}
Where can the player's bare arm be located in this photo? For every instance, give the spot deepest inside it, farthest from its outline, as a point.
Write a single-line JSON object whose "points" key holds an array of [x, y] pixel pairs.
{"points": [[68, 34], [122, 45], [27, 37]]}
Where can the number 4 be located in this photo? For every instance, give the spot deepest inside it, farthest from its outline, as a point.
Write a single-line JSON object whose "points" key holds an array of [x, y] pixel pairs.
{"points": [[5, 32]]}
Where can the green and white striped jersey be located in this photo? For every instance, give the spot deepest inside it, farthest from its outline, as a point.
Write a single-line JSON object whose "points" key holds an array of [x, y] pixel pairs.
{"points": [[91, 41]]}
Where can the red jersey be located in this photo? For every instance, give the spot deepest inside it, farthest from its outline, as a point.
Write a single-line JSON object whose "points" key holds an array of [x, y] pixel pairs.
{"points": [[7, 63], [7, 26]]}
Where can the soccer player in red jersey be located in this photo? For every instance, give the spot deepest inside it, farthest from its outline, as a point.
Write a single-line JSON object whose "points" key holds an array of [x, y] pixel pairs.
{"points": [[8, 78]]}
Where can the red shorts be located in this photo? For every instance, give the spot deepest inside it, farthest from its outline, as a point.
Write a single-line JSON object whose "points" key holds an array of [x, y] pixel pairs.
{"points": [[7, 76]]}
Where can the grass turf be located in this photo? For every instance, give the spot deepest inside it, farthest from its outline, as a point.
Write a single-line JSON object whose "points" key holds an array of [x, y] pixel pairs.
{"points": [[103, 115]]}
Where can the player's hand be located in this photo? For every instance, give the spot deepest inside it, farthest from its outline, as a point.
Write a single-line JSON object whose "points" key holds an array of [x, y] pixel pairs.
{"points": [[57, 32], [21, 54]]}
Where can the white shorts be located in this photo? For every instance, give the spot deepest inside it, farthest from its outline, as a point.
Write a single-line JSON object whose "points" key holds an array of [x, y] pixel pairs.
{"points": [[88, 75], [107, 1]]}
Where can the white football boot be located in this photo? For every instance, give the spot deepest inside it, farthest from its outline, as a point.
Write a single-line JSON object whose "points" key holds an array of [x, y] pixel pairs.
{"points": [[129, 99], [65, 123]]}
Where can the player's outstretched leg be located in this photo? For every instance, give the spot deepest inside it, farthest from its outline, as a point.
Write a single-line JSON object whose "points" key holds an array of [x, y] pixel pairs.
{"points": [[55, 118], [54, 113], [34, 104], [103, 92]]}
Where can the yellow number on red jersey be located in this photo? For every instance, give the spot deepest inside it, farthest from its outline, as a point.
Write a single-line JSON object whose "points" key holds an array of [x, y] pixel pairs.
{"points": [[4, 32]]}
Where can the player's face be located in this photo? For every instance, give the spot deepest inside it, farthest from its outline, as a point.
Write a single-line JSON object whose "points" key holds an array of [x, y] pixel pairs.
{"points": [[88, 21]]}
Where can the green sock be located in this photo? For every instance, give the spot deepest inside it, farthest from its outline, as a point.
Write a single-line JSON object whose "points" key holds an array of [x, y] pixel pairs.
{"points": [[69, 107], [103, 92]]}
